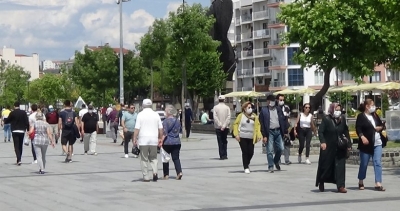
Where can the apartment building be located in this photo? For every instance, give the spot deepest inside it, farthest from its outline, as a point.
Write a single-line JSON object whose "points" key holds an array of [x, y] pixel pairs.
{"points": [[265, 65], [29, 63]]}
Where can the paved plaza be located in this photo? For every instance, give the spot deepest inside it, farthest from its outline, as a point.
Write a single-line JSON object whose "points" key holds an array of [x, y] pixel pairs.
{"points": [[110, 182]]}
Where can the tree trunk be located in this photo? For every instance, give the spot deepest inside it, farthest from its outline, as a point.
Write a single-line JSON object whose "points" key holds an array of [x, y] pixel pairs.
{"points": [[315, 103], [195, 107]]}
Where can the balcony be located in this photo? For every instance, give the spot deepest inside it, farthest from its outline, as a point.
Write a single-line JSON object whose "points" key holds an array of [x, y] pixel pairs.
{"points": [[276, 42], [245, 73], [246, 18], [276, 24], [247, 36], [239, 54], [262, 71], [261, 15], [274, 3], [261, 52], [277, 62], [262, 88], [263, 33], [245, 89], [247, 54], [237, 22], [277, 83], [238, 38]]}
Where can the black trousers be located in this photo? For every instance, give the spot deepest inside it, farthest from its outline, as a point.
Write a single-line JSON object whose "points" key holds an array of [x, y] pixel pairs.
{"points": [[222, 142], [174, 150], [18, 139], [33, 152], [188, 125], [247, 147], [127, 138], [305, 136]]}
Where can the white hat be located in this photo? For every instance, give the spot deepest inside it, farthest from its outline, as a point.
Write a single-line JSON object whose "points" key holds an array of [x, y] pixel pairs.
{"points": [[147, 102], [50, 106], [221, 97]]}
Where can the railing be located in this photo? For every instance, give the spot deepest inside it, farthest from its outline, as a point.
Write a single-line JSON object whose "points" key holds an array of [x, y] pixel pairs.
{"points": [[276, 42], [262, 88], [237, 21], [245, 72], [244, 89], [261, 14], [261, 51], [246, 18], [261, 71], [247, 54], [275, 22], [277, 62], [247, 35], [278, 83], [261, 33]]}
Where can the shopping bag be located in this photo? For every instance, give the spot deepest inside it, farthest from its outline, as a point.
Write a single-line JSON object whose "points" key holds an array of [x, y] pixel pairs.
{"points": [[26, 140], [165, 157]]}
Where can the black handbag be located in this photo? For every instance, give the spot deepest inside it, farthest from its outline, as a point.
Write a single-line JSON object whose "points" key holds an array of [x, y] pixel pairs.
{"points": [[135, 150], [343, 141]]}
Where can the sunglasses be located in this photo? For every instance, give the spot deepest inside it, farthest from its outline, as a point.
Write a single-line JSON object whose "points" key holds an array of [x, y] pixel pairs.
{"points": [[306, 107]]}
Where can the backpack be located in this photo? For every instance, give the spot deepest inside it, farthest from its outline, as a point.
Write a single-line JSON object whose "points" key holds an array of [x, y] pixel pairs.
{"points": [[69, 119], [52, 118]]}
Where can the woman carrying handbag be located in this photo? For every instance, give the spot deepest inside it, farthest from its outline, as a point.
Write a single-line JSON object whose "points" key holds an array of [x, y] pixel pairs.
{"points": [[247, 131]]}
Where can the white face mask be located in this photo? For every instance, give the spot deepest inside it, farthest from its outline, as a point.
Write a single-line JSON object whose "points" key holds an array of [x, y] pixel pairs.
{"points": [[281, 103], [249, 111], [372, 109], [90, 111], [272, 103], [337, 114]]}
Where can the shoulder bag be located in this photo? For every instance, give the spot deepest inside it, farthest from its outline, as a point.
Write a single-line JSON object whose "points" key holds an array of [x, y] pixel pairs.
{"points": [[343, 142]]}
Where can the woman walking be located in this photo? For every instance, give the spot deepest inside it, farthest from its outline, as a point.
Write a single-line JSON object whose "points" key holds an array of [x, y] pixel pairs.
{"points": [[303, 129], [332, 156], [247, 131], [371, 141], [172, 142], [43, 137]]}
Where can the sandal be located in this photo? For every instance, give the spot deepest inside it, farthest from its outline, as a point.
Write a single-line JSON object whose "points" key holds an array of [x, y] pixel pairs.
{"points": [[379, 188], [361, 186]]}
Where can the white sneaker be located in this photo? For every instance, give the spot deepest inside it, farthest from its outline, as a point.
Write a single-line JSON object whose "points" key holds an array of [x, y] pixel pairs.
{"points": [[95, 154], [126, 156], [299, 158], [308, 161], [247, 171], [35, 161]]}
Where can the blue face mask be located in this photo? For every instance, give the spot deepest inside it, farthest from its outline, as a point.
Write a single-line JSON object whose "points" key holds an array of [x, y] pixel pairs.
{"points": [[51, 109]]}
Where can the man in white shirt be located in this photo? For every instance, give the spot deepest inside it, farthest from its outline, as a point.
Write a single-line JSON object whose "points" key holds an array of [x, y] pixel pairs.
{"points": [[82, 112], [222, 119], [148, 135]]}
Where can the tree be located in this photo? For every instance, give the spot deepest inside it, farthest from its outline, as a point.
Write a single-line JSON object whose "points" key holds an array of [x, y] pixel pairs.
{"points": [[46, 90], [13, 83], [346, 35], [340, 97]]}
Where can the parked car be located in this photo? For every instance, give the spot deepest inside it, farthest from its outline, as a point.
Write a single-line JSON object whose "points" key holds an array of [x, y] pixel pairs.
{"points": [[395, 106]]}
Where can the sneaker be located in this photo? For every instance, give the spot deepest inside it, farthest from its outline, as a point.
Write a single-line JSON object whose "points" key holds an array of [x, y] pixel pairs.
{"points": [[135, 156], [85, 152], [278, 167], [19, 163], [9, 140], [308, 162], [34, 162], [247, 171], [288, 162], [299, 158], [126, 156], [155, 177], [95, 154], [271, 170]]}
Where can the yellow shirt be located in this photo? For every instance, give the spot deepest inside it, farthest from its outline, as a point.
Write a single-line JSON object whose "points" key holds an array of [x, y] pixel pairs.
{"points": [[5, 113]]}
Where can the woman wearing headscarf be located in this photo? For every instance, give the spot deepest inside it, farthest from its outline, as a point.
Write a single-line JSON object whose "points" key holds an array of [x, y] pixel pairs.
{"points": [[333, 155]]}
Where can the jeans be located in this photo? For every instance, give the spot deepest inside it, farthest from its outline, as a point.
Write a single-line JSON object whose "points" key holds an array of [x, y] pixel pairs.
{"points": [[18, 139], [174, 150], [287, 153], [376, 159], [7, 132], [89, 142], [41, 152], [247, 147], [305, 135], [127, 138], [114, 130], [274, 142], [222, 142], [188, 125]]}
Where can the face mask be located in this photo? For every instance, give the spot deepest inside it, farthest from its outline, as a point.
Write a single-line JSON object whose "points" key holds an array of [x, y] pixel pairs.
{"points": [[249, 111], [281, 103], [372, 109], [90, 111], [272, 103], [51, 110], [337, 114]]}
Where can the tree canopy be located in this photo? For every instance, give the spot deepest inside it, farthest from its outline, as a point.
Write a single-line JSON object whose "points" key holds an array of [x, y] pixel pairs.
{"points": [[13, 83]]}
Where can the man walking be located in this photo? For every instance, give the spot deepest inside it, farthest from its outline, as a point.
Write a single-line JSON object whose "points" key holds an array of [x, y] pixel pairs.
{"points": [[6, 127], [113, 119], [222, 118], [19, 126], [286, 113], [90, 126], [66, 124], [273, 128], [148, 134], [128, 122], [82, 112], [188, 119], [52, 119], [32, 120]]}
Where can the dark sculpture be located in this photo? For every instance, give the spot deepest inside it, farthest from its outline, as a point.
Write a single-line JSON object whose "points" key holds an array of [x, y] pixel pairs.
{"points": [[222, 10]]}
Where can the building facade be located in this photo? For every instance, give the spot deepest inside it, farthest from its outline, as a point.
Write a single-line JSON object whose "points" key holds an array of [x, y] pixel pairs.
{"points": [[29, 63]]}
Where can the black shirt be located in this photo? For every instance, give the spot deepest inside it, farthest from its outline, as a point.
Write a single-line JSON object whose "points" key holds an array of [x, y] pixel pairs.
{"points": [[63, 117], [90, 122]]}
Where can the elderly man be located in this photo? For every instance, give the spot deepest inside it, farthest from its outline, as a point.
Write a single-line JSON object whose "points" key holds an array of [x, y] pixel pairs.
{"points": [[148, 134], [113, 118], [222, 118]]}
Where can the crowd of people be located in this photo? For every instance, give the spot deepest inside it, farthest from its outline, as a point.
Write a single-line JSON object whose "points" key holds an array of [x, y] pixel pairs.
{"points": [[149, 135]]}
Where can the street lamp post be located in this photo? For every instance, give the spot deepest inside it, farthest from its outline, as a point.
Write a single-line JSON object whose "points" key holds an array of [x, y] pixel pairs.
{"points": [[121, 54]]}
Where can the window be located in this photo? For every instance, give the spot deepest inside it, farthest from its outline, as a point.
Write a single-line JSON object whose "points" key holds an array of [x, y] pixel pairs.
{"points": [[266, 62], [345, 76], [295, 77], [290, 54], [319, 77], [376, 77], [394, 75], [265, 25], [265, 44]]}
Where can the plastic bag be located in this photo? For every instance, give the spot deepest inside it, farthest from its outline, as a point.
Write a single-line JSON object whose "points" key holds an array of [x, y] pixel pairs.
{"points": [[26, 140], [165, 157]]}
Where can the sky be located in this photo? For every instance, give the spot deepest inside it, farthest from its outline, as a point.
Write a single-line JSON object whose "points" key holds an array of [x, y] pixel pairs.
{"points": [[55, 29]]}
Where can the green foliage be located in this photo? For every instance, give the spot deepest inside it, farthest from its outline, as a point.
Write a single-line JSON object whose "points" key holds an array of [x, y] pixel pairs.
{"points": [[385, 103], [13, 83], [293, 100], [340, 97]]}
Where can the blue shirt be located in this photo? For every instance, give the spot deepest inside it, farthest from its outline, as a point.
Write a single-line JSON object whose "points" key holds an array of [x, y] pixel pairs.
{"points": [[130, 120], [172, 127]]}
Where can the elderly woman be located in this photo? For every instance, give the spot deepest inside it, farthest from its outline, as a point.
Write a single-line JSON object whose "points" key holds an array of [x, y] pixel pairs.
{"points": [[172, 142], [247, 132], [43, 137], [332, 157]]}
